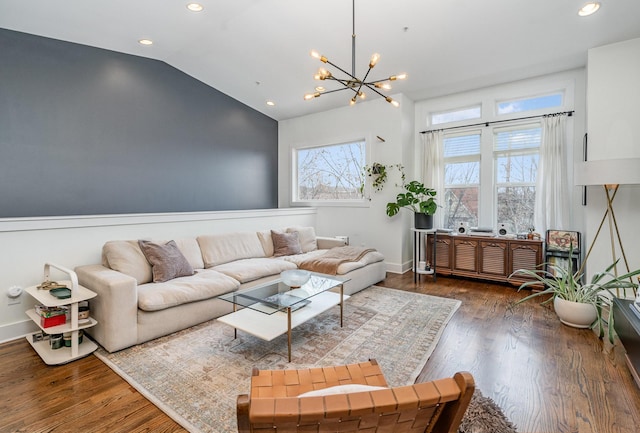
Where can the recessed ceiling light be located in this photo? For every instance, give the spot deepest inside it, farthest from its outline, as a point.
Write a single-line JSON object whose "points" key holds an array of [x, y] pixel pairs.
{"points": [[145, 42], [319, 89], [195, 7], [271, 103], [589, 8]]}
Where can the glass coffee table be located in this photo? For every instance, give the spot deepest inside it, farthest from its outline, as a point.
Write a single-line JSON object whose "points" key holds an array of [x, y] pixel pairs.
{"points": [[271, 309]]}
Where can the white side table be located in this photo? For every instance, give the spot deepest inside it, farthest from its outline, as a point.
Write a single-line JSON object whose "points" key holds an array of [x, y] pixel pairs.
{"points": [[78, 294]]}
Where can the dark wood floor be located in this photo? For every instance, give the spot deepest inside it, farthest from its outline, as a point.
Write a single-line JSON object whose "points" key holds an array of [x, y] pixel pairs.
{"points": [[546, 376]]}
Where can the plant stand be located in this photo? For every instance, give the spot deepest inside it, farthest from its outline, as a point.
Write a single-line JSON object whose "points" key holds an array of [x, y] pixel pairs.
{"points": [[419, 242]]}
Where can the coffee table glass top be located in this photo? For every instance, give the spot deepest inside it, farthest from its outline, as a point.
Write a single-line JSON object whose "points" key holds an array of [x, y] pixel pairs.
{"points": [[276, 296]]}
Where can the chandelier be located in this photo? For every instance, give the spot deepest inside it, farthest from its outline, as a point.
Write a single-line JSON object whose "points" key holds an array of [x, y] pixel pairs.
{"points": [[350, 81]]}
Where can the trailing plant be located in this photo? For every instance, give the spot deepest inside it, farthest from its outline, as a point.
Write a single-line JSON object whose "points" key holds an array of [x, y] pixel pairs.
{"points": [[379, 174], [561, 282], [417, 198]]}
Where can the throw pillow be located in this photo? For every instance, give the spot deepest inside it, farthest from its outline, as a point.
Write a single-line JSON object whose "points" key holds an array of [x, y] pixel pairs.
{"points": [[306, 236], [342, 389], [167, 262], [285, 244]]}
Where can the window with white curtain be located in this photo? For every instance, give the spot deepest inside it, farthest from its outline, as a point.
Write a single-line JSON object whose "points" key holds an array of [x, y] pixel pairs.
{"points": [[461, 179], [515, 155]]}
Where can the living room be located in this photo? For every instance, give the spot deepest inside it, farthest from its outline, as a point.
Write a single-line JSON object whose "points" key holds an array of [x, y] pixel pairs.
{"points": [[91, 193]]}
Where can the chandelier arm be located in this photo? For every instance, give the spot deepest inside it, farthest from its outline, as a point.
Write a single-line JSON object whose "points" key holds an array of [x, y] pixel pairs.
{"points": [[378, 81], [335, 90], [375, 90], [345, 83], [342, 70]]}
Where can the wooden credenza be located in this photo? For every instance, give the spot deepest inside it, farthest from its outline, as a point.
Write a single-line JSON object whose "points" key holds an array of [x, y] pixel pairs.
{"points": [[483, 257]]}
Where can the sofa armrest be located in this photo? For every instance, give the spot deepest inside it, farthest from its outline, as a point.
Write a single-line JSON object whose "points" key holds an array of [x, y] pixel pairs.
{"points": [[326, 242], [115, 308]]}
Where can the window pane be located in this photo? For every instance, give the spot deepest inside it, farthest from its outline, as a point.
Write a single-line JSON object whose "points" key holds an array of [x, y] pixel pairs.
{"points": [[460, 205], [517, 169], [455, 115], [515, 207], [462, 173], [461, 145], [518, 139], [330, 172], [528, 104]]}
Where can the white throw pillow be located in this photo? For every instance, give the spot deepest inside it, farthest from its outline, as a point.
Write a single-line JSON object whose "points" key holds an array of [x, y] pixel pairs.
{"points": [[342, 389], [306, 236]]}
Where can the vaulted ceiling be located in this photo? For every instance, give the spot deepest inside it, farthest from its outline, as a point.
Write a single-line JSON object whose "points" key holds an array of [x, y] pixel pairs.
{"points": [[258, 50]]}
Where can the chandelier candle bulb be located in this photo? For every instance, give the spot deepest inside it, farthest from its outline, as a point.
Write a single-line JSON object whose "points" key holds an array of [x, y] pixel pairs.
{"points": [[374, 59]]}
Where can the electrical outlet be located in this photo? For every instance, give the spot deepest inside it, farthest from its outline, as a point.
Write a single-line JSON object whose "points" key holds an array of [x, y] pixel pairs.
{"points": [[14, 295]]}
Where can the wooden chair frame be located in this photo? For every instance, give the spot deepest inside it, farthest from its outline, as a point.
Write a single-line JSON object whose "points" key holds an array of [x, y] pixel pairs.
{"points": [[274, 406]]}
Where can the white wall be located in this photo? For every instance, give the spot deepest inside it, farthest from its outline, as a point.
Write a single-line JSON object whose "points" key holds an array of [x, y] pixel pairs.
{"points": [[613, 82], [366, 224], [27, 243]]}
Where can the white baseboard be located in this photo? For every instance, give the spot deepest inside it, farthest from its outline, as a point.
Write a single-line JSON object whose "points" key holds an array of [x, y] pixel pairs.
{"points": [[13, 331]]}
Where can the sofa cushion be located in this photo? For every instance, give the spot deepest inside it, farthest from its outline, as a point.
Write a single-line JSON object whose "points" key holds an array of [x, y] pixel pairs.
{"points": [[205, 284], [306, 237], [224, 248], [267, 242], [167, 262], [285, 244], [127, 257], [251, 269], [191, 250]]}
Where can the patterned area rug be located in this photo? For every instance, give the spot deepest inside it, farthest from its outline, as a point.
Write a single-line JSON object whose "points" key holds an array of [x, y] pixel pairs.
{"points": [[195, 375]]}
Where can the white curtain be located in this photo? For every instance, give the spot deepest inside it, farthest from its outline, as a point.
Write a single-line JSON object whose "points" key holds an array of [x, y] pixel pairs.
{"points": [[552, 190], [433, 168]]}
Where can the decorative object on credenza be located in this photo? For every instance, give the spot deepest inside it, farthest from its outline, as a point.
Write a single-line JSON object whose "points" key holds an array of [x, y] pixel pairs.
{"points": [[563, 284], [350, 81], [610, 174], [420, 200], [295, 278]]}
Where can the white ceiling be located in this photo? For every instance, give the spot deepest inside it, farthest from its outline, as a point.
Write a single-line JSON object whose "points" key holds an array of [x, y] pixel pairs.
{"points": [[445, 46]]}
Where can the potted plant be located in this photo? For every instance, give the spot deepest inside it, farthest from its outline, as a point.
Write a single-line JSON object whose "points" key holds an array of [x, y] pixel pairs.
{"points": [[576, 303], [418, 199], [379, 174]]}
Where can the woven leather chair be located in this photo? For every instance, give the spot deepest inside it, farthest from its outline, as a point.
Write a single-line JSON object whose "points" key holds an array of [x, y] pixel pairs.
{"points": [[274, 406]]}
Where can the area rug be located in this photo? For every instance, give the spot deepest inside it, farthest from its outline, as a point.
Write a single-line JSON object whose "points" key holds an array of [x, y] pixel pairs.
{"points": [[195, 375]]}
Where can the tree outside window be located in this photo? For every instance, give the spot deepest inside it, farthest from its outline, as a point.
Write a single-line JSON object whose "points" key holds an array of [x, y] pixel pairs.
{"points": [[330, 173]]}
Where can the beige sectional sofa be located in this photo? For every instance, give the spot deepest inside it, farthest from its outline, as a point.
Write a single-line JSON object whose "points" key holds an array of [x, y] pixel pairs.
{"points": [[131, 308]]}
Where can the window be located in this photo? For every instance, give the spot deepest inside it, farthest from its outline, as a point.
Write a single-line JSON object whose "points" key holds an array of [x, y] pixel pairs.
{"points": [[529, 104], [461, 179], [456, 115], [516, 154], [329, 173]]}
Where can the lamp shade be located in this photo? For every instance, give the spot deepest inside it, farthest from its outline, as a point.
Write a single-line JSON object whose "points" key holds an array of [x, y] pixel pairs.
{"points": [[607, 171]]}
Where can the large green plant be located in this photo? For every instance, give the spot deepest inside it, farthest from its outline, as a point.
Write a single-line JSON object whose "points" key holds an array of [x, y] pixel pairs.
{"points": [[562, 283], [417, 198]]}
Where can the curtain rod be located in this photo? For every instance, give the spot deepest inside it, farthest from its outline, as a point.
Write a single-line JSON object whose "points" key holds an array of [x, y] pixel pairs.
{"points": [[568, 113]]}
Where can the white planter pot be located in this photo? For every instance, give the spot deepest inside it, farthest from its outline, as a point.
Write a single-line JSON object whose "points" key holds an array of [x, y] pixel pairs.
{"points": [[575, 314]]}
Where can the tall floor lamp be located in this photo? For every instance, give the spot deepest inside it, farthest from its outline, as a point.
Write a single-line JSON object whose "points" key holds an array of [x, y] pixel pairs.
{"points": [[610, 174]]}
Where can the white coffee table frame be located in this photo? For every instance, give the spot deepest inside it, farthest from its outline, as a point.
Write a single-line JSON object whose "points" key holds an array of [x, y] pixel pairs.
{"points": [[268, 324]]}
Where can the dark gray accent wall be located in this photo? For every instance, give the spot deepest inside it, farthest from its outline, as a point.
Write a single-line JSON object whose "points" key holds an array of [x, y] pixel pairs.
{"points": [[90, 131]]}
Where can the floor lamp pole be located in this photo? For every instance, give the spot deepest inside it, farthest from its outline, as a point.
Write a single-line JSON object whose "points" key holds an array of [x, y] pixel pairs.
{"points": [[610, 190]]}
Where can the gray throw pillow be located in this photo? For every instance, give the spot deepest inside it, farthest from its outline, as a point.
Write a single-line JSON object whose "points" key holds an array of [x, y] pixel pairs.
{"points": [[285, 244], [167, 262]]}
